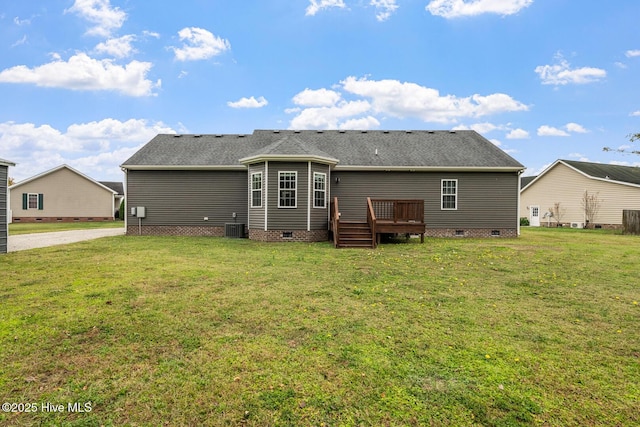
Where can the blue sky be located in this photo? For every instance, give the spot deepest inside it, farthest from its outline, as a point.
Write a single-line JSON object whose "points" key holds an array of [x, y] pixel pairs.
{"points": [[88, 82]]}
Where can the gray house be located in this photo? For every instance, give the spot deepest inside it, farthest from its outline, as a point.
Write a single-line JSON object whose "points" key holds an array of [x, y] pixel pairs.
{"points": [[309, 185], [4, 205]]}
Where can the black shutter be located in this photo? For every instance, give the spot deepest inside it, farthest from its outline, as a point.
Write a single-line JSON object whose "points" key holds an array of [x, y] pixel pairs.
{"points": [[25, 202], [40, 201]]}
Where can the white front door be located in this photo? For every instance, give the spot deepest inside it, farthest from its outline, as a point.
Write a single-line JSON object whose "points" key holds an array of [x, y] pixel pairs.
{"points": [[534, 217]]}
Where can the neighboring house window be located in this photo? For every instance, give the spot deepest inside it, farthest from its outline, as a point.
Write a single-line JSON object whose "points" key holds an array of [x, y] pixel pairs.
{"points": [[256, 190], [32, 201], [449, 194], [319, 190], [287, 189]]}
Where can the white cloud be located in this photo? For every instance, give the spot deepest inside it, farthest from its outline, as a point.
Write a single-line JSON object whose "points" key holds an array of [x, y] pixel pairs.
{"points": [[326, 109], [316, 6], [574, 127], [459, 8], [518, 134], [316, 98], [412, 100], [632, 53], [81, 72], [120, 48], [96, 148], [100, 13], [329, 117], [482, 128], [384, 8], [248, 103], [562, 74], [20, 22], [199, 44], [363, 123], [635, 114], [551, 131], [20, 42]]}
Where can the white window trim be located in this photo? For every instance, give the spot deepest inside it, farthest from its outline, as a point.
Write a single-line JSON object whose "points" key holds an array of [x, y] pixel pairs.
{"points": [[295, 199], [256, 190], [29, 208], [442, 181], [324, 191]]}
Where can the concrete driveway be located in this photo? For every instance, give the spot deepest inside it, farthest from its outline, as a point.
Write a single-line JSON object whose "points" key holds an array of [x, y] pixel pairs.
{"points": [[23, 242]]}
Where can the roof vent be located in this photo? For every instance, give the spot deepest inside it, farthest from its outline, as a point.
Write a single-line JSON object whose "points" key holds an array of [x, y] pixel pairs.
{"points": [[218, 135], [385, 131], [177, 135], [276, 131], [319, 131], [241, 135], [197, 136], [363, 131], [408, 131], [342, 131], [430, 131], [452, 131], [296, 131]]}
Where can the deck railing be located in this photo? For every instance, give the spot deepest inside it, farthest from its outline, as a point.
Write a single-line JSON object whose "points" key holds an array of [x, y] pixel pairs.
{"points": [[371, 219], [398, 210], [335, 221]]}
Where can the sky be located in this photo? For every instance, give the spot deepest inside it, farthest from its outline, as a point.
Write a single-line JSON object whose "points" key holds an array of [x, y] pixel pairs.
{"points": [[88, 82]]}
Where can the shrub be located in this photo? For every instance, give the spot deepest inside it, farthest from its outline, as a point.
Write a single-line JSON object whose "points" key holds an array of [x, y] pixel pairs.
{"points": [[122, 212], [524, 221]]}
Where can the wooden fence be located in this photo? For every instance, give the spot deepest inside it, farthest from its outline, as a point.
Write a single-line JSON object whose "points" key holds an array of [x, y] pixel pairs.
{"points": [[630, 222]]}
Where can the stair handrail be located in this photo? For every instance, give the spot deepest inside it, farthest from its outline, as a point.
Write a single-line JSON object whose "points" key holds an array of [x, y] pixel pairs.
{"points": [[335, 221], [371, 219]]}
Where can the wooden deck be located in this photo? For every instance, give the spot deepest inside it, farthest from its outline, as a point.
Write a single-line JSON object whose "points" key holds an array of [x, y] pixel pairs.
{"points": [[384, 216]]}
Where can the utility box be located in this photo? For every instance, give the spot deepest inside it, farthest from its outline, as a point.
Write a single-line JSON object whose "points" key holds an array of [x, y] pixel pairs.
{"points": [[141, 212], [133, 211]]}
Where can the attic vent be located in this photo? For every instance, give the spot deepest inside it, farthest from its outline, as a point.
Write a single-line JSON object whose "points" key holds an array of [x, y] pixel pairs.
{"points": [[296, 131], [385, 131], [241, 136], [408, 131], [452, 131], [218, 135], [177, 136], [197, 136], [276, 131], [430, 131], [363, 131], [318, 131], [342, 131]]}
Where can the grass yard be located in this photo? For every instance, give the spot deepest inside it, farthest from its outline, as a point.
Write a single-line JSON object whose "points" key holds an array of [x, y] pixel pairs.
{"points": [[539, 330], [45, 227]]}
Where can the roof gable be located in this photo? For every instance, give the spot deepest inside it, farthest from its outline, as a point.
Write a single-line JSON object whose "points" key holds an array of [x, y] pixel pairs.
{"points": [[4, 162], [64, 166], [616, 174], [353, 149]]}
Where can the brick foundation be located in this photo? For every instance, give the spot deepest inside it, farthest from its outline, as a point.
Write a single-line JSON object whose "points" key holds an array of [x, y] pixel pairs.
{"points": [[174, 230], [47, 219], [296, 235], [471, 232]]}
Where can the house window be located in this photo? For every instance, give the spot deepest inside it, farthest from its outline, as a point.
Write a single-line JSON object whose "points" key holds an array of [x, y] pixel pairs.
{"points": [[287, 189], [449, 194], [319, 190], [33, 201], [256, 190]]}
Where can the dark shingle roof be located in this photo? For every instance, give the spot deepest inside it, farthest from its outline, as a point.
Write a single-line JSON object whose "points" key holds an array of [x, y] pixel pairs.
{"points": [[115, 186], [367, 149], [525, 180], [628, 174], [6, 162]]}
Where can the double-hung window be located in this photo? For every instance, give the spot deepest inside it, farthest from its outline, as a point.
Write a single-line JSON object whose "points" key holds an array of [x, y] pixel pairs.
{"points": [[256, 190], [319, 190], [449, 194], [287, 189]]}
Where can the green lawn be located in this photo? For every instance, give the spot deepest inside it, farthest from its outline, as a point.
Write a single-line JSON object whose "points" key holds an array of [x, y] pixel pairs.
{"points": [[539, 330], [45, 227]]}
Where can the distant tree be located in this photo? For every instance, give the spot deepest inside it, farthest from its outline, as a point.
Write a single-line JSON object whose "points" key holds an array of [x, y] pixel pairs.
{"points": [[632, 137], [591, 204], [11, 181], [557, 213]]}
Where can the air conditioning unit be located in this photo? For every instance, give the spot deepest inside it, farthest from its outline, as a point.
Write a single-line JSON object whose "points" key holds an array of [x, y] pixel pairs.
{"points": [[577, 225], [234, 230]]}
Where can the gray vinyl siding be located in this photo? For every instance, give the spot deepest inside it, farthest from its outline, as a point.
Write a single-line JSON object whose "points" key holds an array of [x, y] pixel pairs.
{"points": [[485, 199], [3, 209], [319, 216], [256, 215], [287, 218], [186, 197]]}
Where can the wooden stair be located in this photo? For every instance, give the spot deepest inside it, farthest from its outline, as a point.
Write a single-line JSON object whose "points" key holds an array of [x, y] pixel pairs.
{"points": [[355, 234]]}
